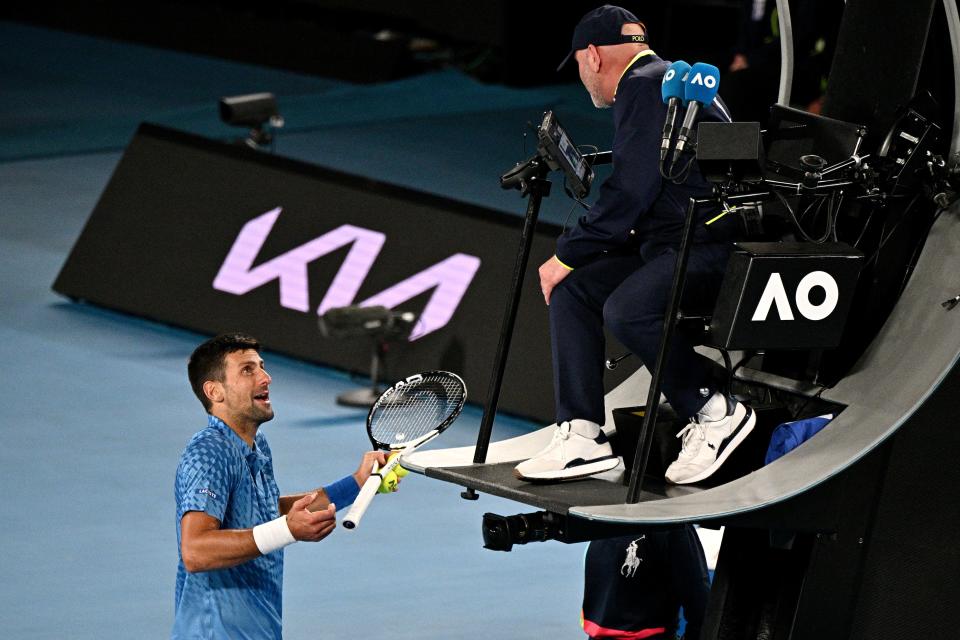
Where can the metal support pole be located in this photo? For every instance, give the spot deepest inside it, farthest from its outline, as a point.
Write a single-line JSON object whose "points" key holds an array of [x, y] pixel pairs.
{"points": [[537, 186], [953, 26], [786, 52], [669, 323]]}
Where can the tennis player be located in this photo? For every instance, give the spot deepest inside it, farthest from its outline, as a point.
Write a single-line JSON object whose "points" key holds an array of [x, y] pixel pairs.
{"points": [[232, 522]]}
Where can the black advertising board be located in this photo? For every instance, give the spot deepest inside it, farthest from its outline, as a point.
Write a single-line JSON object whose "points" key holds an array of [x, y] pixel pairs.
{"points": [[786, 295], [215, 237]]}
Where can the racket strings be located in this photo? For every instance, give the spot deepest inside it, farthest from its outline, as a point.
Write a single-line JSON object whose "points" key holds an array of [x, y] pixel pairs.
{"points": [[415, 409]]}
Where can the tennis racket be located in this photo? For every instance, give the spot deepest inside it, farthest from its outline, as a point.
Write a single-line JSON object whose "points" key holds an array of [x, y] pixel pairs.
{"points": [[409, 414]]}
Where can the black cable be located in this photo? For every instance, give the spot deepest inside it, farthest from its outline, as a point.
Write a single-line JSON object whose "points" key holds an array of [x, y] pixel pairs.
{"points": [[819, 204], [566, 189], [566, 218], [728, 387], [523, 137], [595, 148], [831, 228], [685, 172], [827, 214], [732, 371], [886, 238], [575, 199], [836, 215], [680, 176], [866, 225], [816, 216], [799, 411], [796, 222], [915, 256], [672, 177], [663, 174], [876, 252]]}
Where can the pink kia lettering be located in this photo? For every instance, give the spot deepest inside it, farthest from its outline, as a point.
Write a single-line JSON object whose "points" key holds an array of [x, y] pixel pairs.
{"points": [[449, 278]]}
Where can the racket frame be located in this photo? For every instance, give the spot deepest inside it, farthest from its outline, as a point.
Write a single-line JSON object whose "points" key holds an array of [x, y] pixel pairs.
{"points": [[369, 488]]}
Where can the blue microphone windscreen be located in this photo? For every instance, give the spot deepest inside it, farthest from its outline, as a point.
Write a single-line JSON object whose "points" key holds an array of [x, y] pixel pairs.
{"points": [[703, 81], [672, 85]]}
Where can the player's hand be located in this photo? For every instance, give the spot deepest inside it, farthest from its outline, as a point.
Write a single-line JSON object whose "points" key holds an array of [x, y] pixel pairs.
{"points": [[551, 274], [391, 482], [311, 526], [366, 465]]}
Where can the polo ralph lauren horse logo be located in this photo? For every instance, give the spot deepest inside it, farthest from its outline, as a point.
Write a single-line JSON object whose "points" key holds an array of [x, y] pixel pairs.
{"points": [[632, 562], [449, 278]]}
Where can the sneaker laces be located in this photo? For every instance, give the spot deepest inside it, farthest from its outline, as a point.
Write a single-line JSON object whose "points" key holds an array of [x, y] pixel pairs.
{"points": [[560, 435], [693, 437]]}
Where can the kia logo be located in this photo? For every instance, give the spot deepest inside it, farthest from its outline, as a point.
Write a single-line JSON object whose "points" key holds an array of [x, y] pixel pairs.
{"points": [[448, 279]]}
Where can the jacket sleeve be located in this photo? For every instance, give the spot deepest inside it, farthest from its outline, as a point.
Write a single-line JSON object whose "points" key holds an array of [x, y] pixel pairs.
{"points": [[635, 182]]}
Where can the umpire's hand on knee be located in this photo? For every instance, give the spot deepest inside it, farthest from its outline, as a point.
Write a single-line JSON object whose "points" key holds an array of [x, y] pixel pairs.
{"points": [[311, 526], [551, 273]]}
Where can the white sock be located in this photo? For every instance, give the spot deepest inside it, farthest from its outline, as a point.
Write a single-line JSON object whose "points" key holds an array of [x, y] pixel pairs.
{"points": [[585, 428], [715, 408]]}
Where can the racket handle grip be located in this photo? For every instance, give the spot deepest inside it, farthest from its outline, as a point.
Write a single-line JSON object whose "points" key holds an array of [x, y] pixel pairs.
{"points": [[367, 491]]}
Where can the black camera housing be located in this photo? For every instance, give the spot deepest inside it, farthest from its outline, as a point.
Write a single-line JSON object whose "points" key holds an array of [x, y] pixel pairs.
{"points": [[500, 533], [253, 110]]}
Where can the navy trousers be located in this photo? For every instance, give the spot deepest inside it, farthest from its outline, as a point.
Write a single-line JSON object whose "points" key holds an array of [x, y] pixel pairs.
{"points": [[628, 292]]}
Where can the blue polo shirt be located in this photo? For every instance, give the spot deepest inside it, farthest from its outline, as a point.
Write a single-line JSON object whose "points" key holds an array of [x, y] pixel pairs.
{"points": [[222, 476]]}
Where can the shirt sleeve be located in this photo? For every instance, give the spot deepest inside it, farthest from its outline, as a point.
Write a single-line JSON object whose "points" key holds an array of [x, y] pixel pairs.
{"points": [[204, 479], [634, 184]]}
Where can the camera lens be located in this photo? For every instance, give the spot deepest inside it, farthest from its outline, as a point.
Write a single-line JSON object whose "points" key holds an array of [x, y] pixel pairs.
{"points": [[500, 533], [496, 533]]}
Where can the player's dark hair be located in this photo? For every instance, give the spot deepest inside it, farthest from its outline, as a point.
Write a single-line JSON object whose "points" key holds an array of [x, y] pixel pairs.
{"points": [[207, 361]]}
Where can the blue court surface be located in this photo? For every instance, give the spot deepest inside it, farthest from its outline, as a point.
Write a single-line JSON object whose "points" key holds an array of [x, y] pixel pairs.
{"points": [[98, 407]]}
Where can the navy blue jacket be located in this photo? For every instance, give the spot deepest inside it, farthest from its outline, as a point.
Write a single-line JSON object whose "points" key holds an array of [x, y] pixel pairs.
{"points": [[636, 205]]}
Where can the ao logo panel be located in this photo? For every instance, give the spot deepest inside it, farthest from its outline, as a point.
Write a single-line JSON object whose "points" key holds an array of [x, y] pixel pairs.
{"points": [[775, 294], [785, 296]]}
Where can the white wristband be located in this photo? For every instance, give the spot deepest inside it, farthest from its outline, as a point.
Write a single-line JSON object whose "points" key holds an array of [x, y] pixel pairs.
{"points": [[273, 535]]}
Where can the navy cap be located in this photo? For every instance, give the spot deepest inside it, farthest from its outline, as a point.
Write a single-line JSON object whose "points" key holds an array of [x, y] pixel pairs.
{"points": [[602, 27]]}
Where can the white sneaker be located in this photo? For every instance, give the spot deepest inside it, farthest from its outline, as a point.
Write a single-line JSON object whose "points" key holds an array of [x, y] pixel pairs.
{"points": [[707, 444], [570, 455]]}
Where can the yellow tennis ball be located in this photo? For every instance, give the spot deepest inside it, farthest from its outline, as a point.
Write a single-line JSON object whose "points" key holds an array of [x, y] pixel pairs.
{"points": [[399, 470], [389, 483]]}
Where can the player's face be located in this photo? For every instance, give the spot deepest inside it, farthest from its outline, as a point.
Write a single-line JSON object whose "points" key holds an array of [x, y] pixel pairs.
{"points": [[246, 387]]}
